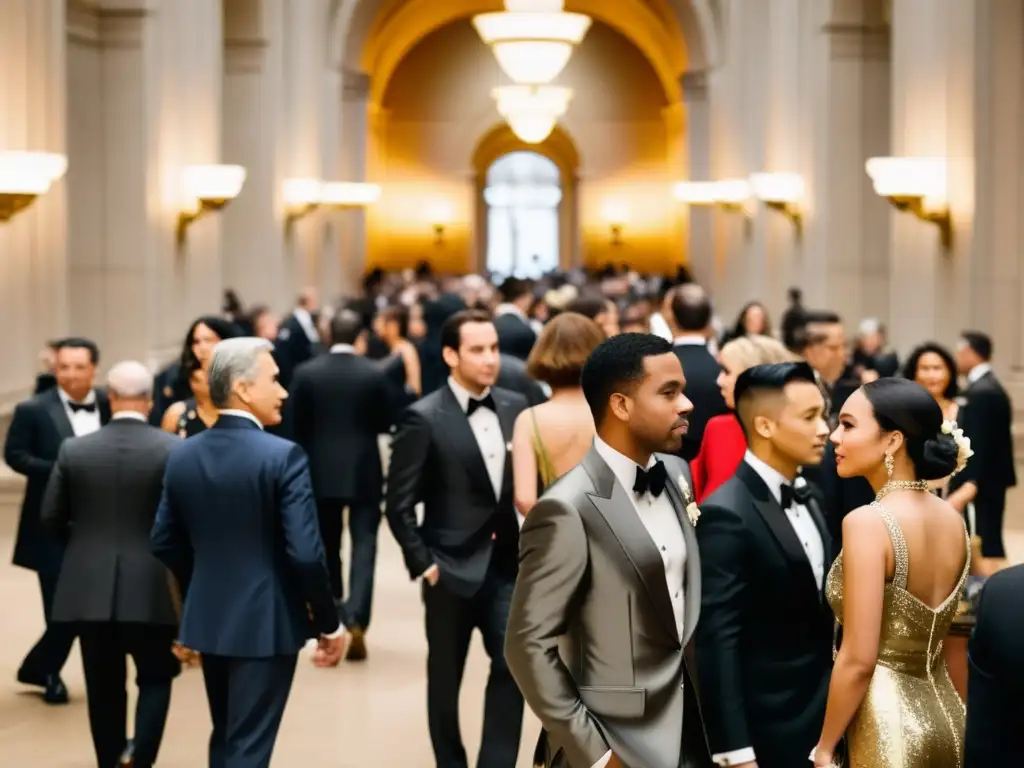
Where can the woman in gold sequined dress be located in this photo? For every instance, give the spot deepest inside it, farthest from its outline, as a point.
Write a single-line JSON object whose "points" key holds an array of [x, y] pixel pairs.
{"points": [[896, 586]]}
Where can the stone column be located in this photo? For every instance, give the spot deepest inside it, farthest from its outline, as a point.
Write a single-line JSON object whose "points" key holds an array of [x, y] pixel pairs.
{"points": [[933, 113], [33, 244], [356, 117], [844, 265], [253, 225], [697, 127]]}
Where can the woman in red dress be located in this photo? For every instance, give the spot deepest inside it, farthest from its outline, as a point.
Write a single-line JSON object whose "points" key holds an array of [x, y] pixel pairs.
{"points": [[723, 444]]}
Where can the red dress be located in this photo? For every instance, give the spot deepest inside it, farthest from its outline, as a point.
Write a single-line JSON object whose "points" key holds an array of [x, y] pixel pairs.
{"points": [[721, 451]]}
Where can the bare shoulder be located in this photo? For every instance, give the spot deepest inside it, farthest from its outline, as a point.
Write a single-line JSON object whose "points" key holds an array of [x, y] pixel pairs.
{"points": [[865, 520]]}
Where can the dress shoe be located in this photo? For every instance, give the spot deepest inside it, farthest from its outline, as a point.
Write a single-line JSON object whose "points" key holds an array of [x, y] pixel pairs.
{"points": [[54, 691], [357, 647]]}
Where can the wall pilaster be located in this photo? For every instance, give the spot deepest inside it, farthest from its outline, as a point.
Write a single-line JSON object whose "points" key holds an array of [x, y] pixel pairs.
{"points": [[697, 128], [357, 116]]}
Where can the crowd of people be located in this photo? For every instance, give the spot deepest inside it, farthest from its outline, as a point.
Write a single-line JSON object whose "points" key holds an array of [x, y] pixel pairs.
{"points": [[684, 542]]}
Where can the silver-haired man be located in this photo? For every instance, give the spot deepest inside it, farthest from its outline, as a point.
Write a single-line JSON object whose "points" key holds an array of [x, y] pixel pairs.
{"points": [[101, 500], [237, 525]]}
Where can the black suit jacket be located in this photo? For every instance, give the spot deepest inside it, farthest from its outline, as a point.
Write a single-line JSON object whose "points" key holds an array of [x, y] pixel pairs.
{"points": [[515, 336], [987, 418], [513, 376], [102, 499], [701, 371], [764, 641], [841, 495], [291, 349], [39, 426], [995, 687], [340, 402], [435, 459]]}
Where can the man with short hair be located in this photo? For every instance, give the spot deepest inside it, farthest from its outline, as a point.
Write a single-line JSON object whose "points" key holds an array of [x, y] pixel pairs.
{"points": [[101, 500], [825, 350], [691, 308], [71, 409], [609, 566], [987, 418], [237, 525], [298, 337], [340, 403], [451, 452], [516, 336], [764, 640]]}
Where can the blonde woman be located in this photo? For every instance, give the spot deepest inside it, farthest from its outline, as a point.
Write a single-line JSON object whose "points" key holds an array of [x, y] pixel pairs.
{"points": [[551, 438], [723, 444]]}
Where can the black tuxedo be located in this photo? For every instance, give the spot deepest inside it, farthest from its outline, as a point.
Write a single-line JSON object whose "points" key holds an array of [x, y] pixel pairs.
{"points": [[39, 427], [701, 371], [995, 687], [102, 499], [292, 348], [515, 336], [764, 637], [841, 495], [513, 375], [340, 403], [987, 418], [472, 535]]}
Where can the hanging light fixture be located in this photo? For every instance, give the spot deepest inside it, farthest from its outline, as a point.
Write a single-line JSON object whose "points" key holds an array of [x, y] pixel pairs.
{"points": [[532, 111], [532, 46]]}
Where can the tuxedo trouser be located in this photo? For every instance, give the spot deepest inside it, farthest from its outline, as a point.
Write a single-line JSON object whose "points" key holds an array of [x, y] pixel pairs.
{"points": [[51, 651], [247, 698], [989, 511], [450, 621], [363, 524], [104, 647]]}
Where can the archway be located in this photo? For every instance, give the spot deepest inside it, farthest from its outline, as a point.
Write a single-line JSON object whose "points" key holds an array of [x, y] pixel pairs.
{"points": [[522, 195], [560, 151]]}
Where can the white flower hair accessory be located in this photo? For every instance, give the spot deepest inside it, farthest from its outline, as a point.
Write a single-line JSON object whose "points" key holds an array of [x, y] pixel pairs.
{"points": [[963, 444]]}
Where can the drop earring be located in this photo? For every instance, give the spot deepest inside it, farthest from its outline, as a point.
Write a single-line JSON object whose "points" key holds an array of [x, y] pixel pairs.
{"points": [[890, 464]]}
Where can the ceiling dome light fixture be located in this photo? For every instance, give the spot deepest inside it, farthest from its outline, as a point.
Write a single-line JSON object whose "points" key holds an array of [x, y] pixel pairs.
{"points": [[532, 48], [532, 112]]}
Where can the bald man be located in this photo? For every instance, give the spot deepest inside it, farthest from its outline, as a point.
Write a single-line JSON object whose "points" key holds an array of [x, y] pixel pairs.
{"points": [[102, 499]]}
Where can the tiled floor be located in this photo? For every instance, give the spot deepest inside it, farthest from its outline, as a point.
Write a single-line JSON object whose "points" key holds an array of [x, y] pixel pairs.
{"points": [[372, 714], [367, 715]]}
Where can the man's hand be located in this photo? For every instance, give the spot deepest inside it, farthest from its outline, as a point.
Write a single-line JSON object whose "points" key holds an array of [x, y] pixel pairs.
{"points": [[432, 574], [331, 650]]}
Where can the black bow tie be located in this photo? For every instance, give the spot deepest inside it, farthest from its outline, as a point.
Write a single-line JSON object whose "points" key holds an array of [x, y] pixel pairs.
{"points": [[484, 402], [87, 407], [651, 480], [791, 494]]}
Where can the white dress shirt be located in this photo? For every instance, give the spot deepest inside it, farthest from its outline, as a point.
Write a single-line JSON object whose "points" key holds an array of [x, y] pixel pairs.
{"points": [[308, 326], [662, 524], [342, 349], [659, 326], [487, 431], [82, 422], [978, 371], [810, 538], [123, 415]]}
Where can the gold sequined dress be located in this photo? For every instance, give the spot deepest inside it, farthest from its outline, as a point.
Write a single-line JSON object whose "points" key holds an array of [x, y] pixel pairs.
{"points": [[911, 716]]}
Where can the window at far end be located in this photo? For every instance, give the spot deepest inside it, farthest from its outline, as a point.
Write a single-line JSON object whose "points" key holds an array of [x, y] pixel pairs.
{"points": [[523, 194]]}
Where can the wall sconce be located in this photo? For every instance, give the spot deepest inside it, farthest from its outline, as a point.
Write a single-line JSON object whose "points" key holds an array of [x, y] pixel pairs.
{"points": [[207, 188], [917, 185], [300, 197], [441, 215], [304, 195], [730, 195], [616, 214], [782, 192], [24, 176], [349, 194]]}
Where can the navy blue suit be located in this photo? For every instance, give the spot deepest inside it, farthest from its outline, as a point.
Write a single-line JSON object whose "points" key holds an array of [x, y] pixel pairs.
{"points": [[237, 525]]}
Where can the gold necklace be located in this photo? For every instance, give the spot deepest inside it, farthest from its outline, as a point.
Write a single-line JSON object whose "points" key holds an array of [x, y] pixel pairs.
{"points": [[901, 485]]}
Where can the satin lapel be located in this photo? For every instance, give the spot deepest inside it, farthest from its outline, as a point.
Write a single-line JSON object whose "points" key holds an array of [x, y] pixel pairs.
{"points": [[461, 434], [59, 414], [680, 501], [818, 515], [507, 419], [777, 521], [621, 516]]}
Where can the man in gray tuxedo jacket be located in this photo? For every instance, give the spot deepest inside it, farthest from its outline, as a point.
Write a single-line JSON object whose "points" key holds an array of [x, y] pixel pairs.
{"points": [[609, 569]]}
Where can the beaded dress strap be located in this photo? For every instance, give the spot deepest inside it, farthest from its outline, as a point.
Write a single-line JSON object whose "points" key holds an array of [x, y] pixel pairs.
{"points": [[899, 545]]}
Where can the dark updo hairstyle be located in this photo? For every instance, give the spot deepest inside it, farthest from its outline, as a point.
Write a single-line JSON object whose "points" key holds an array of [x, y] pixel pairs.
{"points": [[905, 406]]}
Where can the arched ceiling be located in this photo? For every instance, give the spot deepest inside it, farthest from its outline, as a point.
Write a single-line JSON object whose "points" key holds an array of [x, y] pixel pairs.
{"points": [[372, 36]]}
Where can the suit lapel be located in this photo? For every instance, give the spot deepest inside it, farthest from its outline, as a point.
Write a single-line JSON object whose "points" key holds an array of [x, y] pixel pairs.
{"points": [[818, 516], [103, 404], [770, 511], [55, 407], [681, 499], [612, 502], [462, 437], [507, 419]]}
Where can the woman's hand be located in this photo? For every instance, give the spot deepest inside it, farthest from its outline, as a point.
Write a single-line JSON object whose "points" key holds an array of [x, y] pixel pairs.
{"points": [[822, 757]]}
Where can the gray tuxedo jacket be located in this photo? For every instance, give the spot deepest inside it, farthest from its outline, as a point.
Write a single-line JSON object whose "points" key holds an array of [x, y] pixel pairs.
{"points": [[592, 639]]}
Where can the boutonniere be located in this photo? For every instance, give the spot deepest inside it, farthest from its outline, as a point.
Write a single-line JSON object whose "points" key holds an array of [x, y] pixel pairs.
{"points": [[692, 511]]}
